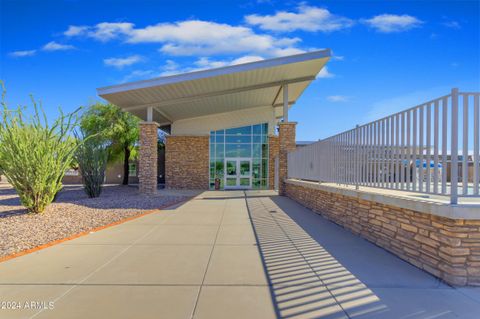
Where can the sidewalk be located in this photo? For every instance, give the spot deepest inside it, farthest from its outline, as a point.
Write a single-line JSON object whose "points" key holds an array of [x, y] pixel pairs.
{"points": [[203, 259]]}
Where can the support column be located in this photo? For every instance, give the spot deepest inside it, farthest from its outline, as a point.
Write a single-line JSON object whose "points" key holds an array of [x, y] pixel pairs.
{"points": [[286, 136], [147, 162], [285, 103]]}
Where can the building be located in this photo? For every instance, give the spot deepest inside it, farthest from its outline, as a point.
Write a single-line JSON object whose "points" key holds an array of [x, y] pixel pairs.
{"points": [[222, 123]]}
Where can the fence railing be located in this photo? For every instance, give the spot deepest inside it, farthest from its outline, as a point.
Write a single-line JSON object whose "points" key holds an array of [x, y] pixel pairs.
{"points": [[431, 148]]}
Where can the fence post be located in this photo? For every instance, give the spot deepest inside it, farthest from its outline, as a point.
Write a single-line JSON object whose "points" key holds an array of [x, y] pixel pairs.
{"points": [[357, 157], [454, 150]]}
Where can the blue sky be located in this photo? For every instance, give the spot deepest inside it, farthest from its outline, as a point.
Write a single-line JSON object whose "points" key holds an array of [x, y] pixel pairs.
{"points": [[388, 55]]}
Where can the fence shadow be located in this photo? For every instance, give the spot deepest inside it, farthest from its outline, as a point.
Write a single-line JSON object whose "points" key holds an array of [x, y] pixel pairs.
{"points": [[305, 280]]}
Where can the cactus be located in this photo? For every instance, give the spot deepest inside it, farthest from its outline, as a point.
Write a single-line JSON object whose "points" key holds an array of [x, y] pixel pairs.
{"points": [[35, 155], [92, 157]]}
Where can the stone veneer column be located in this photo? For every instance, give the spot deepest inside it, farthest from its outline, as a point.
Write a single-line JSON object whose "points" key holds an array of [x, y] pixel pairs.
{"points": [[286, 136], [272, 154], [147, 162]]}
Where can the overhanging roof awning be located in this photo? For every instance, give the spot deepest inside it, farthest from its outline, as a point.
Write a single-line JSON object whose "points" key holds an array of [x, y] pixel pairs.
{"points": [[218, 90]]}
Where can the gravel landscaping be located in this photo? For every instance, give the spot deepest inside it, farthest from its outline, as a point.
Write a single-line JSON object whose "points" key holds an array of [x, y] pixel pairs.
{"points": [[72, 213]]}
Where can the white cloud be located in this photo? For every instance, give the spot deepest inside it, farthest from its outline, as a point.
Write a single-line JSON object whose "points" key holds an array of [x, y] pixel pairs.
{"points": [[24, 53], [140, 75], [389, 23], [208, 38], [286, 51], [192, 37], [307, 18], [106, 31], [122, 62], [204, 63], [74, 30], [54, 46], [103, 32], [338, 98], [324, 73], [247, 59], [452, 25], [170, 65]]}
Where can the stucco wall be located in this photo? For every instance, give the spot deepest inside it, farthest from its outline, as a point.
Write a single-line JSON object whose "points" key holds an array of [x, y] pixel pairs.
{"points": [[204, 124]]}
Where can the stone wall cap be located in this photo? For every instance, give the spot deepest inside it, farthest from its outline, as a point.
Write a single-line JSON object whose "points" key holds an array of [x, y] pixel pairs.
{"points": [[287, 123], [149, 123], [433, 207]]}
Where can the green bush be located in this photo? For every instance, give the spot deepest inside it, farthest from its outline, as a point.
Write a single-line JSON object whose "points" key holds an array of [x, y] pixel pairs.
{"points": [[92, 156], [35, 155]]}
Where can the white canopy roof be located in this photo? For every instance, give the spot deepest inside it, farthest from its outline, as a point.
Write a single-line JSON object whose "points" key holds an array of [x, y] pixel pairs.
{"points": [[218, 90]]}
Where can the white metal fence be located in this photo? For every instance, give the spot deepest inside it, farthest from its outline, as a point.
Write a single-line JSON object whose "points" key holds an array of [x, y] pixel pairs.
{"points": [[431, 148]]}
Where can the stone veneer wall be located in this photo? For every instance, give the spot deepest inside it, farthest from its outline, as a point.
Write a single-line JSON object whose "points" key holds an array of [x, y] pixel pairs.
{"points": [[187, 162], [286, 137], [273, 149], [147, 159], [447, 248]]}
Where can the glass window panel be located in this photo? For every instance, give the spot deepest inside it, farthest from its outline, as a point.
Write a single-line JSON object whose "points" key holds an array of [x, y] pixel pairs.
{"points": [[219, 154], [212, 173], [245, 130], [212, 150], [256, 170], [244, 167], [212, 184], [264, 168], [212, 139], [257, 151], [231, 181], [245, 150], [263, 183], [265, 128], [245, 181], [220, 139], [220, 132], [238, 150], [239, 139], [264, 150], [259, 139], [257, 129], [256, 184], [219, 169], [231, 167]]}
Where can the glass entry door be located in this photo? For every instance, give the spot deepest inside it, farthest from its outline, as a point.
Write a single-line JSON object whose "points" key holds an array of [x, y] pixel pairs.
{"points": [[238, 173]]}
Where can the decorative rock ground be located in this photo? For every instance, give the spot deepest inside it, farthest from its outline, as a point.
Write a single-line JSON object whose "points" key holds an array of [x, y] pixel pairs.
{"points": [[72, 213]]}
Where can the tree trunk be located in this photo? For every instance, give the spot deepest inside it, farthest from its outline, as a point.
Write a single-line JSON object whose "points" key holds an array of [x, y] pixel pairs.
{"points": [[126, 152]]}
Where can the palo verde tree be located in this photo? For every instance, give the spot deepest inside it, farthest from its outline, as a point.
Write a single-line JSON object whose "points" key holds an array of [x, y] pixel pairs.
{"points": [[118, 129], [34, 154]]}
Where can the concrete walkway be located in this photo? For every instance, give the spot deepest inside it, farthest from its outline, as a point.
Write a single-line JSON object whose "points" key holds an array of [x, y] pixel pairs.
{"points": [[227, 255]]}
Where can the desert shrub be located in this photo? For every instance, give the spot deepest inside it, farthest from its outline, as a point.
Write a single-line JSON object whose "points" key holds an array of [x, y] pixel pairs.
{"points": [[92, 156], [34, 155]]}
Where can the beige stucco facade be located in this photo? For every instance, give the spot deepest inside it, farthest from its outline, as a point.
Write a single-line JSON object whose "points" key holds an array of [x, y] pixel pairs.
{"points": [[204, 124]]}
